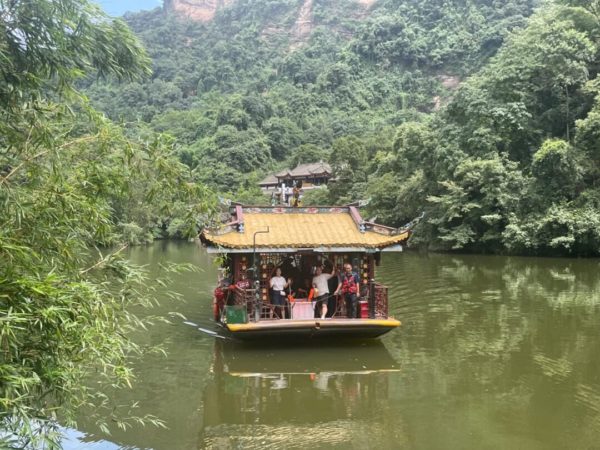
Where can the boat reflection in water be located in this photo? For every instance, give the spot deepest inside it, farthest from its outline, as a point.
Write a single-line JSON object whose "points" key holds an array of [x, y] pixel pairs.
{"points": [[298, 397]]}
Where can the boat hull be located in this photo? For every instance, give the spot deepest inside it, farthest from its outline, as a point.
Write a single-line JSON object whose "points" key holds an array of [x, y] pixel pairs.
{"points": [[312, 329]]}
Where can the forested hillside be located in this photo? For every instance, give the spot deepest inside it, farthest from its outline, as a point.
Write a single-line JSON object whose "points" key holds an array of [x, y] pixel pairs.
{"points": [[480, 114]]}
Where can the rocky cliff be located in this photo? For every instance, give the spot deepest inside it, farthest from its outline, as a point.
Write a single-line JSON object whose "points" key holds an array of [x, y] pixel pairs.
{"points": [[205, 10], [200, 10]]}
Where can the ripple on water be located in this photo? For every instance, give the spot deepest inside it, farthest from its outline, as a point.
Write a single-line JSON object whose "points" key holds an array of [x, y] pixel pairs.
{"points": [[342, 434]]}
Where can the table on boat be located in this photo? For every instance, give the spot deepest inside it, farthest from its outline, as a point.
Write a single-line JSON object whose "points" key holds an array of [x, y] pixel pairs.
{"points": [[303, 309]]}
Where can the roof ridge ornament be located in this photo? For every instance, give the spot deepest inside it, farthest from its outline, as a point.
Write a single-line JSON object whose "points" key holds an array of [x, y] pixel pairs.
{"points": [[239, 215], [413, 222], [358, 220]]}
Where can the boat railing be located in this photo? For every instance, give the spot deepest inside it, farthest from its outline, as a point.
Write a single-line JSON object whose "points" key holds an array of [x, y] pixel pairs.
{"points": [[376, 303], [380, 300], [256, 310], [247, 299], [376, 296]]}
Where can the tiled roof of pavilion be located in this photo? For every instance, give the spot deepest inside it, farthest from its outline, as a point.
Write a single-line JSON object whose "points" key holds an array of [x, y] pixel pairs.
{"points": [[306, 170], [319, 227], [269, 180]]}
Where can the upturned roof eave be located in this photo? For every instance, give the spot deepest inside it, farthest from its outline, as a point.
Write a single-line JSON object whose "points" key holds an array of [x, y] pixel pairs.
{"points": [[293, 247], [218, 249]]}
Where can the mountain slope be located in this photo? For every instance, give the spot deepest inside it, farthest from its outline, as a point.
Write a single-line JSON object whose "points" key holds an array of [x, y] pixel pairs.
{"points": [[292, 72], [479, 113]]}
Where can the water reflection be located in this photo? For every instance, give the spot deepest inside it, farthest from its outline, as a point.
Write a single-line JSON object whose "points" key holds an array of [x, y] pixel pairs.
{"points": [[317, 397], [76, 440], [510, 345]]}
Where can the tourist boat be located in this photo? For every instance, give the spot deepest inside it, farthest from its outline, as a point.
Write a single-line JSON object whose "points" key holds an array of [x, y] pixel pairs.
{"points": [[256, 240]]}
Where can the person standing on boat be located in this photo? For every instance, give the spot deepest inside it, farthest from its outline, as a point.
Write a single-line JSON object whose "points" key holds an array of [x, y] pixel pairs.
{"points": [[349, 287], [334, 286], [278, 297], [320, 283]]}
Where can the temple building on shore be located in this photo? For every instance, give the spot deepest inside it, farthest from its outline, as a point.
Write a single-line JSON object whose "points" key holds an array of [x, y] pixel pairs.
{"points": [[310, 175]]}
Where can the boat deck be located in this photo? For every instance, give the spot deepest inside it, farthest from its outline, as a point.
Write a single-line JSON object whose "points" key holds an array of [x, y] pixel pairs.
{"points": [[313, 328]]}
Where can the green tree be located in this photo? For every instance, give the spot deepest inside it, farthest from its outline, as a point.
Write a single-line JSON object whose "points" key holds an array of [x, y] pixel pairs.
{"points": [[563, 229], [307, 153], [349, 163], [283, 135], [317, 197], [587, 140], [395, 200], [531, 89], [477, 202], [556, 170], [245, 151], [47, 45], [67, 178]]}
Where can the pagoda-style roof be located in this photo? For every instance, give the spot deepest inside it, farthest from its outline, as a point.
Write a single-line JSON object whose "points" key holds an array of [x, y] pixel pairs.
{"points": [[290, 229], [306, 170], [271, 180]]}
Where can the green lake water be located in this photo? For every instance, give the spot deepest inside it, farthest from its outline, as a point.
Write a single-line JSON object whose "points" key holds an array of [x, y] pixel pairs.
{"points": [[493, 353]]}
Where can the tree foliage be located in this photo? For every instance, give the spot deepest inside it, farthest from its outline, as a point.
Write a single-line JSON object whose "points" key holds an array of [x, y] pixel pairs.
{"points": [[482, 115], [72, 183], [247, 70], [511, 162]]}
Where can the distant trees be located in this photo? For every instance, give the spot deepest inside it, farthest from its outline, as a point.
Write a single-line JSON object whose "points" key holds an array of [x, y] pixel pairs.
{"points": [[348, 162], [307, 153], [475, 204], [457, 35], [240, 71], [283, 135], [362, 95], [510, 164]]}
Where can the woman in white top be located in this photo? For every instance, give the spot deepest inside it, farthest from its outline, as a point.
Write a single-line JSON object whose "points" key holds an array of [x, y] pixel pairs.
{"points": [[278, 285]]}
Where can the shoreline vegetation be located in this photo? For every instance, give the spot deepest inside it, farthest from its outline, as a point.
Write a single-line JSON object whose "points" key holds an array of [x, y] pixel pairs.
{"points": [[69, 179], [117, 131]]}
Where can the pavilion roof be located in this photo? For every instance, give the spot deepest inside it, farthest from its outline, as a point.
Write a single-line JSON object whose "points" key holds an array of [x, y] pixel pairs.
{"points": [[301, 228], [306, 170], [270, 180]]}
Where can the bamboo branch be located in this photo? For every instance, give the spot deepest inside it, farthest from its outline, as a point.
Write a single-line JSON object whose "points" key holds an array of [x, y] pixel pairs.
{"points": [[103, 260], [12, 172], [42, 153]]}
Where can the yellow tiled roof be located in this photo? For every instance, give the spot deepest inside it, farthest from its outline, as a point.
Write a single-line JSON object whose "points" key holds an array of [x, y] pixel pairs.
{"points": [[300, 230]]}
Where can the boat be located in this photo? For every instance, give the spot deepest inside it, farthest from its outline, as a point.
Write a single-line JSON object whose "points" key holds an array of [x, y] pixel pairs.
{"points": [[252, 242]]}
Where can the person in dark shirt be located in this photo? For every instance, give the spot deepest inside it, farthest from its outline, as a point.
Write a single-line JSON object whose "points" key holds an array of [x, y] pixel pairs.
{"points": [[333, 283], [350, 283]]}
